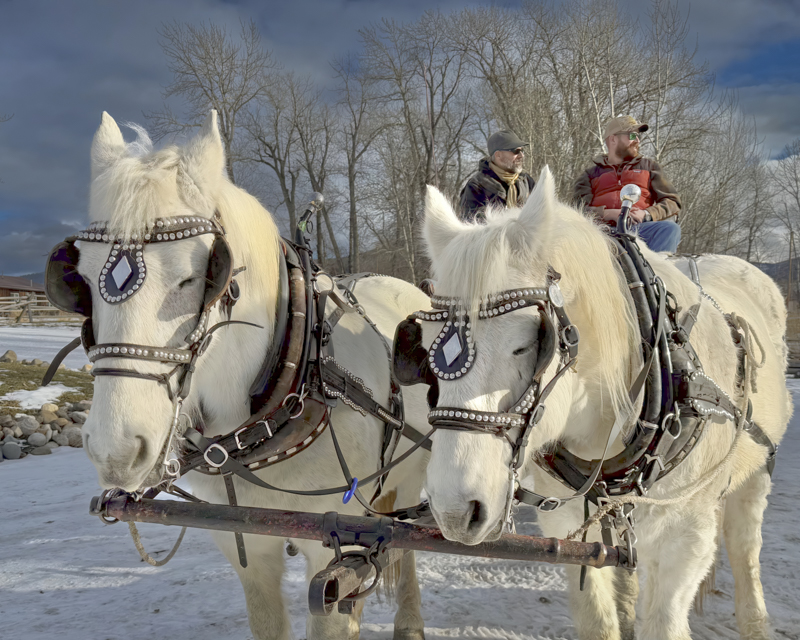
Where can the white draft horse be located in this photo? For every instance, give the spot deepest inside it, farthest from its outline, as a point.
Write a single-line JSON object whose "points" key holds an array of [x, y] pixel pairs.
{"points": [[468, 475], [133, 185]]}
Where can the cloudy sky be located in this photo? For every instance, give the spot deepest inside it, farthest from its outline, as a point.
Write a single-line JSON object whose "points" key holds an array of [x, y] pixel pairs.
{"points": [[63, 62]]}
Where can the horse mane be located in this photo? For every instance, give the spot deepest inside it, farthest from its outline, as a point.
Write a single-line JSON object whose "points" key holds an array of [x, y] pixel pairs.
{"points": [[476, 263], [144, 183]]}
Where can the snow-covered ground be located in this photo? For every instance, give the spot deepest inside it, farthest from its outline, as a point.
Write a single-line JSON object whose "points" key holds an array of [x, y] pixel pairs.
{"points": [[43, 343], [66, 576]]}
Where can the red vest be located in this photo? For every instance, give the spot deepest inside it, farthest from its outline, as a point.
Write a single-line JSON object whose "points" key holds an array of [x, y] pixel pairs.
{"points": [[606, 187]]}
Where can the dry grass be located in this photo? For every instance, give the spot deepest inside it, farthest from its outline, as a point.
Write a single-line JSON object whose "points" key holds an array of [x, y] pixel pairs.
{"points": [[16, 377]]}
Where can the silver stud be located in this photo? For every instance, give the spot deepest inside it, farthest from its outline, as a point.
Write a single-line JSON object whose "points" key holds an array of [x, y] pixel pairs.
{"points": [[115, 349]]}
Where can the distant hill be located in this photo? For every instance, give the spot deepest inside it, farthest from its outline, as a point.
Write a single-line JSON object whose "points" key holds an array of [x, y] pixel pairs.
{"points": [[37, 278]]}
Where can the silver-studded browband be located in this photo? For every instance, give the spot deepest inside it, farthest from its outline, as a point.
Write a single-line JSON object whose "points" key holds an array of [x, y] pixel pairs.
{"points": [[125, 271]]}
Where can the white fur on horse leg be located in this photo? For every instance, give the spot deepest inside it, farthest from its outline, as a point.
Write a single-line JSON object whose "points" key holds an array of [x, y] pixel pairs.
{"points": [[688, 548], [744, 513], [626, 591], [336, 626], [408, 622], [594, 610], [261, 580]]}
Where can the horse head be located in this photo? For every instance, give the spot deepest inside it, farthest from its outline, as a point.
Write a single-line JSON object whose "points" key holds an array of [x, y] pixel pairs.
{"points": [[498, 280], [155, 270]]}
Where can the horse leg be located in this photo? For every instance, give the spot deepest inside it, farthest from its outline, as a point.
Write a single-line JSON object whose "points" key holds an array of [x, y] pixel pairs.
{"points": [[261, 580], [688, 551], [594, 610], [744, 513], [336, 626], [626, 589], [408, 622]]}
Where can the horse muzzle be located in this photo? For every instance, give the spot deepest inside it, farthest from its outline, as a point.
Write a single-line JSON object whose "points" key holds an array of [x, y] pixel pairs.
{"points": [[467, 523]]}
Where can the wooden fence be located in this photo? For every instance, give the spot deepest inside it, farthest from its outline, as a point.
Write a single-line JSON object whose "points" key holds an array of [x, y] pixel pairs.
{"points": [[33, 308]]}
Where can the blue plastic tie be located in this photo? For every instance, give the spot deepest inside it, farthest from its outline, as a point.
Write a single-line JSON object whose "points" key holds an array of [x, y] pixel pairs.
{"points": [[349, 493]]}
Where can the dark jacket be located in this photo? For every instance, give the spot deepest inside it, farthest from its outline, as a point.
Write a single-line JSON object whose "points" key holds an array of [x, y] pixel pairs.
{"points": [[486, 188], [599, 187]]}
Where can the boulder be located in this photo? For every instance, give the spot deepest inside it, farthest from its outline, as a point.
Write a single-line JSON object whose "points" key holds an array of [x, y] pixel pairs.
{"points": [[8, 432], [36, 362], [63, 412], [7, 421], [25, 362], [41, 451], [12, 450], [26, 424], [62, 422], [74, 436], [83, 405], [52, 445], [17, 431], [8, 356], [78, 417], [39, 419], [49, 407], [61, 440], [48, 417], [86, 368], [37, 439]]}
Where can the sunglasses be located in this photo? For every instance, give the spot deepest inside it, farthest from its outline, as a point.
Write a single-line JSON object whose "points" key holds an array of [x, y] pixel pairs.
{"points": [[633, 135], [518, 151]]}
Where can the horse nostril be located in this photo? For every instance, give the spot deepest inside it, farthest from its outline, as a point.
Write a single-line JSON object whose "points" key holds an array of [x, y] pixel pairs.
{"points": [[141, 457], [477, 513]]}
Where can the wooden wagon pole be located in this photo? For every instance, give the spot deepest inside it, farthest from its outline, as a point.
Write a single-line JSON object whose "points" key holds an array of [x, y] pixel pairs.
{"points": [[310, 526]]}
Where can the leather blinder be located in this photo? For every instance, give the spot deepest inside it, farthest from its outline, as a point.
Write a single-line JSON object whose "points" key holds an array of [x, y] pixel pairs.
{"points": [[65, 288], [219, 273]]}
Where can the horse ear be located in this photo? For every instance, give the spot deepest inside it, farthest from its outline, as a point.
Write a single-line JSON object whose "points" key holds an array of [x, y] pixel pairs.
{"points": [[108, 145], [204, 158], [538, 212], [441, 223]]}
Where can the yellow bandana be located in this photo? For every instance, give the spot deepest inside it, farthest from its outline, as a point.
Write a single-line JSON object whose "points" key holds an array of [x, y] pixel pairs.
{"points": [[510, 178]]}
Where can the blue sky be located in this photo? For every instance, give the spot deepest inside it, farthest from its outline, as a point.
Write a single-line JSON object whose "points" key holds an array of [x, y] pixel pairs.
{"points": [[63, 63]]}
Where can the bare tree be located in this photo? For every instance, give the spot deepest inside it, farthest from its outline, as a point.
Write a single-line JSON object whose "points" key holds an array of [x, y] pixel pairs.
{"points": [[423, 80], [359, 126], [212, 70]]}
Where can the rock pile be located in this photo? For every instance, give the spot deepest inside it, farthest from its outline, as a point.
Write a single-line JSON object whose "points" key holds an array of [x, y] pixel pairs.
{"points": [[53, 427]]}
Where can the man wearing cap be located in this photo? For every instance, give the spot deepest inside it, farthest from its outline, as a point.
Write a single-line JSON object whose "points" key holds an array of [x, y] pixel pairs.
{"points": [[499, 181], [598, 188]]}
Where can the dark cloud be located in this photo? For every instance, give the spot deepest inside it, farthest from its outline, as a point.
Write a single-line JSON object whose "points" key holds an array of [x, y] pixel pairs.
{"points": [[63, 63]]}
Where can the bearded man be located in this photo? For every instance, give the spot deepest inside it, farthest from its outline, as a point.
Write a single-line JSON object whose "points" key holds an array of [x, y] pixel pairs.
{"points": [[499, 181], [598, 188]]}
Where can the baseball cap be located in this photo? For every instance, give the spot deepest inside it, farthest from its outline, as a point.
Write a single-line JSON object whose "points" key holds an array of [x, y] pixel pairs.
{"points": [[623, 124], [504, 140]]}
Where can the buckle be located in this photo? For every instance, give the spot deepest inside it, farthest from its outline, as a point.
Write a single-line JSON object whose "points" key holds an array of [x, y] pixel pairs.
{"points": [[213, 447], [238, 442], [549, 504], [571, 340]]}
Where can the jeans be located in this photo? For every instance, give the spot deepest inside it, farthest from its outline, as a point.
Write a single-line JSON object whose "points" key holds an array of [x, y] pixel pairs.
{"points": [[662, 235]]}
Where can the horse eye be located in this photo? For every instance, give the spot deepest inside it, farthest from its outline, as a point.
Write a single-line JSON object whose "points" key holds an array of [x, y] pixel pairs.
{"points": [[523, 350], [187, 282]]}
